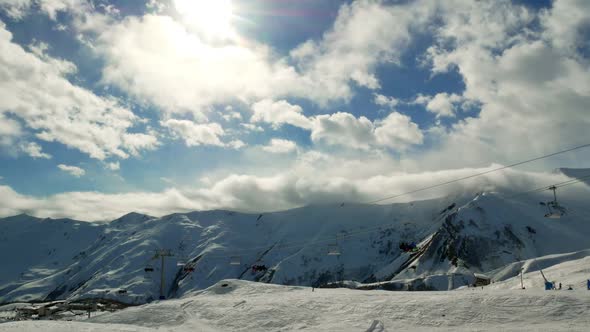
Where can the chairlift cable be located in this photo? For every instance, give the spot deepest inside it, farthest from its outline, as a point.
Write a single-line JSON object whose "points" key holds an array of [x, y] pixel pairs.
{"points": [[478, 174], [557, 185]]}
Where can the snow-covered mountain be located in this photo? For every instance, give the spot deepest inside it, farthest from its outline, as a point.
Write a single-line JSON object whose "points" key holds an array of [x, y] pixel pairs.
{"points": [[55, 259]]}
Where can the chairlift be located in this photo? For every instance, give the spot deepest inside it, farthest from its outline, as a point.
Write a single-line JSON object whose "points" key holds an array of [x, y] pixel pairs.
{"points": [[235, 260], [333, 250], [555, 211], [149, 268]]}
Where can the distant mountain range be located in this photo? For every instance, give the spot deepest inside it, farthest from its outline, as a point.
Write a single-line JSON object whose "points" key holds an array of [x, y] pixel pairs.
{"points": [[46, 259]]}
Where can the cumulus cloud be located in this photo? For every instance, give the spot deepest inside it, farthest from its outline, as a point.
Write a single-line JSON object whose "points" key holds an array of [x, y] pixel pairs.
{"points": [[277, 145], [395, 131], [72, 170], [343, 129], [236, 144], [10, 130], [566, 25], [442, 104], [279, 113], [17, 9], [35, 89], [195, 134], [530, 88], [34, 150], [114, 166], [381, 100], [180, 61], [364, 35]]}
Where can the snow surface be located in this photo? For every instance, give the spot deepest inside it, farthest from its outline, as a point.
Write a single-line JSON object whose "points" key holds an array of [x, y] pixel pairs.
{"points": [[248, 306], [571, 269]]}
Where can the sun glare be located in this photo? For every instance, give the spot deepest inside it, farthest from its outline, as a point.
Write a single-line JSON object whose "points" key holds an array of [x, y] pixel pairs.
{"points": [[212, 17]]}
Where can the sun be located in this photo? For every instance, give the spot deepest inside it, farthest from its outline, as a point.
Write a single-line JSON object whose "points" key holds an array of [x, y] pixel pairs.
{"points": [[212, 17]]}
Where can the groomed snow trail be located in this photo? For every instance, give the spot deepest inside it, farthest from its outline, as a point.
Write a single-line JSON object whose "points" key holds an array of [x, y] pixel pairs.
{"points": [[247, 306]]}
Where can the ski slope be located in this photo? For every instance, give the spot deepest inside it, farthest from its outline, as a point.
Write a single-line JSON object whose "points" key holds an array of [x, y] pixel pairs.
{"points": [[571, 269], [248, 306]]}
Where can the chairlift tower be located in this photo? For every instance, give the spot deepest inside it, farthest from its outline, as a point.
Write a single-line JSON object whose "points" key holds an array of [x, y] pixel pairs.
{"points": [[553, 188], [162, 254]]}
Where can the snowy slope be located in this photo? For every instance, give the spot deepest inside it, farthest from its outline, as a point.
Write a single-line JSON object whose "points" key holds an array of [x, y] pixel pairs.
{"points": [[33, 250], [247, 306], [493, 231], [293, 244], [568, 269], [464, 236]]}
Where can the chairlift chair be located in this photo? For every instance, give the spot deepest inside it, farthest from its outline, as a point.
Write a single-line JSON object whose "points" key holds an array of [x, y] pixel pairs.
{"points": [[553, 215], [235, 260], [149, 268], [333, 250]]}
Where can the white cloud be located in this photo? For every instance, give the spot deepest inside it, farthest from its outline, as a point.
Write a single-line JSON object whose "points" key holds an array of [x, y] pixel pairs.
{"points": [[277, 145], [271, 193], [364, 35], [114, 166], [10, 130], [231, 115], [195, 134], [73, 170], [381, 100], [396, 131], [156, 6], [252, 127], [566, 25], [17, 9], [343, 129], [35, 88], [236, 144], [34, 150], [279, 113], [182, 59], [533, 94], [442, 104]]}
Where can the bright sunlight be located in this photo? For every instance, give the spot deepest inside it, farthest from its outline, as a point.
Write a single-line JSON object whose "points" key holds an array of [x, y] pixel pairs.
{"points": [[211, 17]]}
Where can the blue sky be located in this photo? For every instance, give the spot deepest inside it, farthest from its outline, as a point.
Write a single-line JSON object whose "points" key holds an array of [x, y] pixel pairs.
{"points": [[271, 104]]}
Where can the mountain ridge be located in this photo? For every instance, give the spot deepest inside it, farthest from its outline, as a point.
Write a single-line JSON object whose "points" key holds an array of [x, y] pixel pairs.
{"points": [[471, 236]]}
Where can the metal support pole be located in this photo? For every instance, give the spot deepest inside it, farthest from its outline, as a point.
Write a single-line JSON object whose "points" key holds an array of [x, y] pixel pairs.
{"points": [[161, 253], [521, 282], [162, 278], [554, 194]]}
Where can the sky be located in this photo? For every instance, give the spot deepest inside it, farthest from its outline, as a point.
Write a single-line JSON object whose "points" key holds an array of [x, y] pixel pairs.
{"points": [[161, 106]]}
